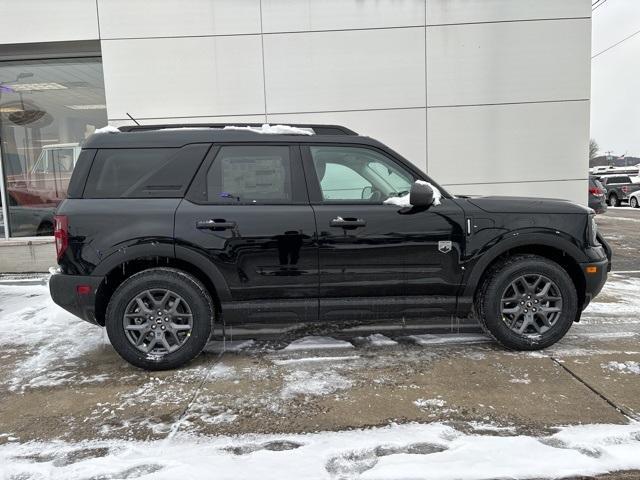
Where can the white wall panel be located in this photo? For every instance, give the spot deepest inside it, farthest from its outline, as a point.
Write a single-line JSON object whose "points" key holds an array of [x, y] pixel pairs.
{"points": [[401, 130], [349, 70], [157, 18], [27, 21], [309, 15], [508, 62], [467, 11], [239, 120], [181, 77], [508, 143], [574, 190]]}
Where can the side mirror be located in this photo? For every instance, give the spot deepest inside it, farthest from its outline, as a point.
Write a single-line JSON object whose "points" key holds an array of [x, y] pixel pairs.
{"points": [[421, 195]]}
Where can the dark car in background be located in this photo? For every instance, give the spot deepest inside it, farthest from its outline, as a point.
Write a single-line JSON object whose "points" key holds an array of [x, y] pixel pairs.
{"points": [[597, 195], [619, 187]]}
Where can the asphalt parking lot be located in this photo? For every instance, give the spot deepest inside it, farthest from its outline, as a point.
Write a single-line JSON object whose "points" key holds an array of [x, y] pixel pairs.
{"points": [[61, 380]]}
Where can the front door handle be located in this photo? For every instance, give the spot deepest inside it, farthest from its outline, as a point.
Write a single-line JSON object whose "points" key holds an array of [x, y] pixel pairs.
{"points": [[215, 224], [347, 223]]}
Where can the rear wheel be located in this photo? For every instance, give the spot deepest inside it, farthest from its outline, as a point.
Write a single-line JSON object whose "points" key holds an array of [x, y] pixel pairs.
{"points": [[159, 318], [527, 302], [614, 201], [633, 202]]}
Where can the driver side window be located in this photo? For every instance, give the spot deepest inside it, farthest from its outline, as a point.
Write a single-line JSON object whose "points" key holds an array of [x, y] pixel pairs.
{"points": [[356, 174]]}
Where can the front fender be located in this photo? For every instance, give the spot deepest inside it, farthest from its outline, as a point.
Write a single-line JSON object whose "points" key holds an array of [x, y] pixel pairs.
{"points": [[476, 265]]}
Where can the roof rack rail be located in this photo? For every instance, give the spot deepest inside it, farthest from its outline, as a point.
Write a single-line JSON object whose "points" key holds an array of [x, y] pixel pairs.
{"points": [[318, 129]]}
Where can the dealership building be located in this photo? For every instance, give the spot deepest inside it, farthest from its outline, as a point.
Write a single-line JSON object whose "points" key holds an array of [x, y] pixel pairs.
{"points": [[486, 96]]}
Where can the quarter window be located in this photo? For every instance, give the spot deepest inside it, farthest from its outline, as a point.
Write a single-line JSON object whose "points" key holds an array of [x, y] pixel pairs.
{"points": [[358, 174], [250, 174]]}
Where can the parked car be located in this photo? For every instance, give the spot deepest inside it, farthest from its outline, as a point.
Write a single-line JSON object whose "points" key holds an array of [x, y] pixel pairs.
{"points": [[597, 195], [167, 231], [634, 199], [47, 181], [619, 187]]}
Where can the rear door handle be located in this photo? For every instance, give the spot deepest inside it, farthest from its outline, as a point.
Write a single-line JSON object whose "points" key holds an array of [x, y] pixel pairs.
{"points": [[217, 224], [348, 223]]}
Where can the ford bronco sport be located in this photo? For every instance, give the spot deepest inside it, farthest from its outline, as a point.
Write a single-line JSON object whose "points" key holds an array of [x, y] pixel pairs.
{"points": [[168, 231]]}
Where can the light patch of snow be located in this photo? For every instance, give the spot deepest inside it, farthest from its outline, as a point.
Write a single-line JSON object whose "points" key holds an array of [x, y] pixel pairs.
{"points": [[429, 402], [489, 427], [376, 340], [316, 343], [306, 383], [54, 339], [273, 129], [107, 129], [448, 339], [623, 295], [525, 380], [290, 361], [219, 346], [607, 335], [623, 367], [403, 201], [410, 451]]}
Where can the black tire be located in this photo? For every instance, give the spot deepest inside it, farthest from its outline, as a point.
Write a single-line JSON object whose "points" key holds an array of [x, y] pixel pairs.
{"points": [[497, 281], [633, 202], [191, 291], [614, 201]]}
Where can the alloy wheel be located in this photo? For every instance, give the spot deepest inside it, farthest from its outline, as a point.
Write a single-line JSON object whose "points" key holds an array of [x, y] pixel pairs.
{"points": [[531, 304], [158, 321]]}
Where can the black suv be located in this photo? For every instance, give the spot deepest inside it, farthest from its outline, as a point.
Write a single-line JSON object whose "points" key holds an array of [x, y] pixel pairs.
{"points": [[168, 230]]}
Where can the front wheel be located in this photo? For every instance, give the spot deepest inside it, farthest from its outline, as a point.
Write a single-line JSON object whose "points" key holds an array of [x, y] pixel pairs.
{"points": [[614, 201], [160, 318], [633, 202], [527, 302]]}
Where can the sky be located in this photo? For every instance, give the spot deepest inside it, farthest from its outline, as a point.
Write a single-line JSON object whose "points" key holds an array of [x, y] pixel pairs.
{"points": [[615, 78]]}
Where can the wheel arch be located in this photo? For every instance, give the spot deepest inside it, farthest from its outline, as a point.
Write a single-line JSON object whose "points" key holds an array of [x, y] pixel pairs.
{"points": [[557, 250], [194, 264]]}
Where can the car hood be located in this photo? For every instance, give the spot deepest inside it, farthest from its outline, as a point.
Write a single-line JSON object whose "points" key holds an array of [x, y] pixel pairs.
{"points": [[497, 204]]}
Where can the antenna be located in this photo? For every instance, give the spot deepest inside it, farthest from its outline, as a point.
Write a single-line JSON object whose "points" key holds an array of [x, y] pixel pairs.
{"points": [[133, 119]]}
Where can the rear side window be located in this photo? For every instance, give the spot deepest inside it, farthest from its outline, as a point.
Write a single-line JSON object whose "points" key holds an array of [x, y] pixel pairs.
{"points": [[250, 174], [143, 172]]}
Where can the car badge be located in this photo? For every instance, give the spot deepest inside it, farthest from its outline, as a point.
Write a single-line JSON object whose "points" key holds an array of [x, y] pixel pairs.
{"points": [[444, 246]]}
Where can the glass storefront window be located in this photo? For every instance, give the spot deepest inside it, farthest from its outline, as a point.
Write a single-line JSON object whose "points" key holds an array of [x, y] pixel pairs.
{"points": [[47, 108]]}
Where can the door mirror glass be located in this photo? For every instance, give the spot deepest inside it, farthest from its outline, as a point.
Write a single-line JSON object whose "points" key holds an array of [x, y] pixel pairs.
{"points": [[421, 194], [366, 193]]}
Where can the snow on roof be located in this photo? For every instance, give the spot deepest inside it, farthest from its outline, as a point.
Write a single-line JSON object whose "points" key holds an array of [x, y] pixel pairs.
{"points": [[107, 129], [273, 129]]}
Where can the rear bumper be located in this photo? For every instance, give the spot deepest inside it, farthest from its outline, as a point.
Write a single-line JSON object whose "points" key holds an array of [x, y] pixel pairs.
{"points": [[64, 292]]}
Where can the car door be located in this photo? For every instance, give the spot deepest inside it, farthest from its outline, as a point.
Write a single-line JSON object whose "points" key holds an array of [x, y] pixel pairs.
{"points": [[379, 261], [248, 213]]}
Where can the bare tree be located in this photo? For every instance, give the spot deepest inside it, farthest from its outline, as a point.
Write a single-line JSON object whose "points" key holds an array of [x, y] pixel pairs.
{"points": [[593, 149]]}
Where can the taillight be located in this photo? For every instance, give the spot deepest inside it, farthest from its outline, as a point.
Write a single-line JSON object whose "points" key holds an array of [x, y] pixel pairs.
{"points": [[595, 191], [61, 234], [624, 188]]}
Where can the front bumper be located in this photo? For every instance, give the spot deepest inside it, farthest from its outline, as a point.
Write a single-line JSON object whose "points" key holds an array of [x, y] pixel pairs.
{"points": [[64, 292], [595, 281]]}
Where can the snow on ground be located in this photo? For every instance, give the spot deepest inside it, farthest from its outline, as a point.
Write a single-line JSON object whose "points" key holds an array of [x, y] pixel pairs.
{"points": [[448, 338], [375, 340], [623, 367], [316, 343], [432, 451], [301, 382], [619, 297], [29, 318]]}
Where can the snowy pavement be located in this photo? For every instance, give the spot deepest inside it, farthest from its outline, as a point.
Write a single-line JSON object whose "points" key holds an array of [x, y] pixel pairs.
{"points": [[416, 406]]}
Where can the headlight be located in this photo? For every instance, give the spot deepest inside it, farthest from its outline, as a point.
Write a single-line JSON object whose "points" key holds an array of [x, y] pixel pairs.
{"points": [[592, 233]]}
